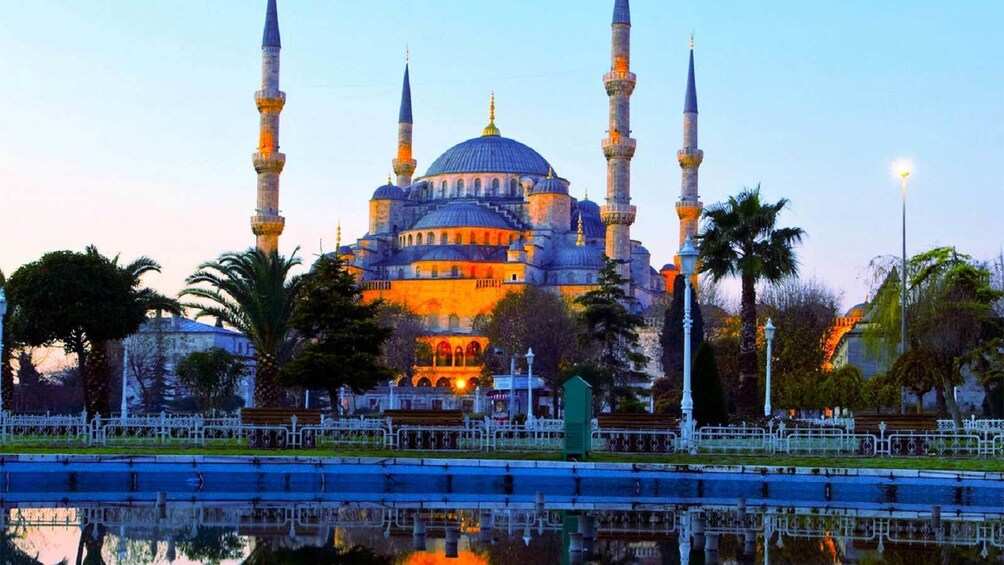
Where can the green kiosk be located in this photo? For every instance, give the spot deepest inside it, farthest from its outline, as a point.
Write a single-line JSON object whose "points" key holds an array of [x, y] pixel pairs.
{"points": [[578, 418]]}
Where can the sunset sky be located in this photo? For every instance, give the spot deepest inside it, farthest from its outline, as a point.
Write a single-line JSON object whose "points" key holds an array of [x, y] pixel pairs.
{"points": [[130, 124]]}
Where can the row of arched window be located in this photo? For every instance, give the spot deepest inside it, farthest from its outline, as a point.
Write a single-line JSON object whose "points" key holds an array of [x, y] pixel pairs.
{"points": [[460, 189], [458, 238], [454, 272], [448, 356]]}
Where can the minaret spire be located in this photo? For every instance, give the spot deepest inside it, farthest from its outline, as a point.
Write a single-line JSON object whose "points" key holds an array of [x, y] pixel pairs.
{"points": [[618, 214], [689, 207], [490, 129], [404, 165], [580, 239], [267, 224]]}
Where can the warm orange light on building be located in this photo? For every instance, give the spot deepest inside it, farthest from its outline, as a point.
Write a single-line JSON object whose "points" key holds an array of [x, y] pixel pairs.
{"points": [[461, 384], [463, 558]]}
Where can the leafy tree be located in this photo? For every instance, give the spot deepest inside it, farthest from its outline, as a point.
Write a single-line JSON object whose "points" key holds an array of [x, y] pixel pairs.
{"points": [[212, 545], [211, 375], [82, 301], [402, 350], [843, 387], [254, 292], [741, 238], [610, 330], [342, 340], [917, 371], [667, 396], [709, 398], [671, 338], [950, 300], [532, 317], [881, 391]]}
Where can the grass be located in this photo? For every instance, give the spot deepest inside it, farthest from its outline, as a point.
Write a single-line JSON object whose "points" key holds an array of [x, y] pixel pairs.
{"points": [[912, 463]]}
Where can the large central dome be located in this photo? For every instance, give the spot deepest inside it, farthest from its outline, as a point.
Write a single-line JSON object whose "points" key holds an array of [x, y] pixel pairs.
{"points": [[489, 154]]}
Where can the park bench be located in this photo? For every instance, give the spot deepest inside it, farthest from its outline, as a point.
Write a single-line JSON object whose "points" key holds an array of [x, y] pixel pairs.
{"points": [[633, 442], [272, 419], [427, 436], [872, 424]]}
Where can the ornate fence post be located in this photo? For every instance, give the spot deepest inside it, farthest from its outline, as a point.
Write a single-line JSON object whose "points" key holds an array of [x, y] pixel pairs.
{"points": [[293, 439]]}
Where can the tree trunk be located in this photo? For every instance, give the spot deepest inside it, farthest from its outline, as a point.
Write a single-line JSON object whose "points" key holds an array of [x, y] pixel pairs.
{"points": [[95, 379], [6, 378], [267, 391], [948, 392], [747, 401]]}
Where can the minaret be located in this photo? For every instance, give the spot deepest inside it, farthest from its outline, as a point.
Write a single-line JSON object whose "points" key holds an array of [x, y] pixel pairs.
{"points": [[404, 165], [689, 207], [267, 224], [618, 214]]}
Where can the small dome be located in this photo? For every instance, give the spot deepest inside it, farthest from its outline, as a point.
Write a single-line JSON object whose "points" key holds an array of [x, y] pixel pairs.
{"points": [[589, 208], [489, 154], [462, 215], [446, 253], [345, 250], [388, 192], [578, 257], [857, 311], [668, 267], [640, 250], [550, 185]]}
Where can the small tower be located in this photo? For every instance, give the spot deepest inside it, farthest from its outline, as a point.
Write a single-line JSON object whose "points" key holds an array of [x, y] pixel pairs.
{"points": [[404, 165], [689, 207], [267, 224], [618, 214]]}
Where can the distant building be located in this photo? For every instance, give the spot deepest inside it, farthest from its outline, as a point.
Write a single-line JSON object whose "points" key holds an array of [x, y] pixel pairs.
{"points": [[167, 340]]}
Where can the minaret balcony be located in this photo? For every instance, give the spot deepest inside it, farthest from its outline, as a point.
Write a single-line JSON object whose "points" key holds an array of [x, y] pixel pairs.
{"points": [[264, 223], [618, 213], [690, 157], [686, 209], [271, 162], [272, 100], [619, 146], [620, 75], [619, 83]]}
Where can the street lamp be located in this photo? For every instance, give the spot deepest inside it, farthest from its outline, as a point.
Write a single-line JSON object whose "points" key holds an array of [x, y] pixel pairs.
{"points": [[3, 312], [529, 384], [512, 386], [125, 378], [768, 332], [390, 400], [688, 262], [902, 170]]}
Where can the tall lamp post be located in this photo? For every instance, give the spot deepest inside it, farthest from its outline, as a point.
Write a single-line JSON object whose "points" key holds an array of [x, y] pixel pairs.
{"points": [[512, 387], [902, 169], [125, 379], [688, 262], [768, 332], [3, 312], [529, 384]]}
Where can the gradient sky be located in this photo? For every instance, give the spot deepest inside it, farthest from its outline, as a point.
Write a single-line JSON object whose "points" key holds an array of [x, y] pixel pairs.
{"points": [[130, 124]]}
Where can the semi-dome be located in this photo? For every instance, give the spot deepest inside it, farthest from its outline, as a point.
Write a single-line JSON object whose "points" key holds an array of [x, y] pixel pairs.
{"points": [[550, 185], [857, 311], [445, 253], [462, 215], [388, 192], [578, 257], [489, 154], [589, 208]]}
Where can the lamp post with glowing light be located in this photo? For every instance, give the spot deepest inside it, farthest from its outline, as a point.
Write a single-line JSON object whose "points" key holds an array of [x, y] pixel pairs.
{"points": [[768, 332], [390, 387], [902, 169], [125, 379], [512, 387], [688, 262], [529, 384], [3, 312]]}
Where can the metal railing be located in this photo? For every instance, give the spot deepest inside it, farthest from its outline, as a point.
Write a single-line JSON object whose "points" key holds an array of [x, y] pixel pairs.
{"points": [[485, 435]]}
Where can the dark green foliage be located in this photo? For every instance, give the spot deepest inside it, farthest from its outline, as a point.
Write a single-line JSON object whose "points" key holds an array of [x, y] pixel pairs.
{"points": [[535, 318], [253, 292], [740, 238], [671, 338], [210, 545], [402, 350], [667, 396], [211, 375], [265, 554], [610, 332], [341, 337], [709, 398], [881, 392], [843, 387], [917, 371]]}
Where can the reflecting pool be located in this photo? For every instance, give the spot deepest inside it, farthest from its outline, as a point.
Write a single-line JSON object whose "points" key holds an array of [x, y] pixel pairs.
{"points": [[263, 531]]}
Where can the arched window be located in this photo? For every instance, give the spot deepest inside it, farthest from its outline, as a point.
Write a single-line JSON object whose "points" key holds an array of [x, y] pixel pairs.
{"points": [[418, 272], [473, 239], [472, 356], [513, 187], [458, 356], [411, 240], [444, 355], [512, 238], [443, 382], [424, 381], [435, 272], [514, 276], [418, 239], [460, 187], [485, 240], [495, 187], [459, 240], [454, 322], [431, 238], [442, 190], [433, 321], [443, 240], [454, 271], [477, 187]]}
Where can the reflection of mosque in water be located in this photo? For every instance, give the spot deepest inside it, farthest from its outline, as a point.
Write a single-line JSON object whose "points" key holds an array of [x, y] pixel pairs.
{"points": [[515, 533]]}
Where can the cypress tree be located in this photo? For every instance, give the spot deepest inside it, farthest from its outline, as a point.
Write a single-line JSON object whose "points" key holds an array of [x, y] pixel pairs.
{"points": [[671, 338], [709, 399]]}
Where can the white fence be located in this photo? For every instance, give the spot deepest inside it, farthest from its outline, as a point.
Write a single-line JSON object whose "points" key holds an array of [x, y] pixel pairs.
{"points": [[380, 434]]}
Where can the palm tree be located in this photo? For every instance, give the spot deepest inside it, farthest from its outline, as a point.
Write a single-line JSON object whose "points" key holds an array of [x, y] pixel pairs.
{"points": [[740, 238], [253, 292]]}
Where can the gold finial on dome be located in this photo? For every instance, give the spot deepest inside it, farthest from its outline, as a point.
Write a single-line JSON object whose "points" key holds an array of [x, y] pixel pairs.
{"points": [[338, 236], [580, 240], [586, 197], [388, 178], [550, 172], [490, 129]]}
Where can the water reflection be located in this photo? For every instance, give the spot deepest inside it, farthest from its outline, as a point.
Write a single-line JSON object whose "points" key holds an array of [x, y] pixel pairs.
{"points": [[260, 532]]}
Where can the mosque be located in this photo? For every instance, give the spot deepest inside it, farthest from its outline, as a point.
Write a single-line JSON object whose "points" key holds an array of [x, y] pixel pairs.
{"points": [[489, 216]]}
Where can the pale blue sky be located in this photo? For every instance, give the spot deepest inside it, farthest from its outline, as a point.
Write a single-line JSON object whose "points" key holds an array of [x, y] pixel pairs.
{"points": [[130, 124]]}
